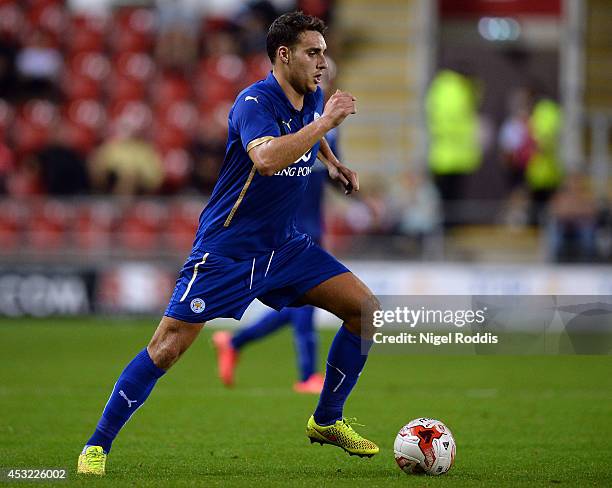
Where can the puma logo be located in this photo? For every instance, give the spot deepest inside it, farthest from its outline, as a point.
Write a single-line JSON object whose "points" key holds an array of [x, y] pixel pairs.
{"points": [[124, 396], [247, 98]]}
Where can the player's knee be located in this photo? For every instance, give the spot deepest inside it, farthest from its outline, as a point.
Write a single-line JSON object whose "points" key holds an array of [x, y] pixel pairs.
{"points": [[360, 318], [165, 347]]}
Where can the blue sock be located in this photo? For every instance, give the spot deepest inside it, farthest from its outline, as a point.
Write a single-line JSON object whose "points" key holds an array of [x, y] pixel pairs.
{"points": [[305, 339], [266, 325], [344, 364], [130, 392]]}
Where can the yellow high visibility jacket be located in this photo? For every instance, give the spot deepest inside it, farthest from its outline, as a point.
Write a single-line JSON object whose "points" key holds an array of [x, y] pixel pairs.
{"points": [[452, 120]]}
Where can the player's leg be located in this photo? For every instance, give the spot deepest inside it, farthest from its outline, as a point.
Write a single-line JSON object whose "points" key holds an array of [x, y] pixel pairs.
{"points": [[228, 346], [170, 341], [305, 339], [348, 298]]}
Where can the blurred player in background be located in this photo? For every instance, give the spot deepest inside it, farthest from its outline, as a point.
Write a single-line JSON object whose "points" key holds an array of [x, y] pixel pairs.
{"points": [[247, 245], [228, 346]]}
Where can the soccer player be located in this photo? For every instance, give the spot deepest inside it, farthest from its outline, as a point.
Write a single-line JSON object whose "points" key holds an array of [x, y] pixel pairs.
{"points": [[247, 245], [228, 346]]}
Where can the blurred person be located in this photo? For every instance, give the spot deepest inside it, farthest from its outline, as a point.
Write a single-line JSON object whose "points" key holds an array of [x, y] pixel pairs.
{"points": [[177, 34], [415, 205], [62, 169], [207, 156], [8, 70], [455, 151], [7, 166], [229, 346], [127, 164], [39, 64], [515, 140], [247, 246], [572, 222], [253, 20], [544, 173]]}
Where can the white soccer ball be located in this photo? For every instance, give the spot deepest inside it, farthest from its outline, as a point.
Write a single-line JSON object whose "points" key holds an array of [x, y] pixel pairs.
{"points": [[424, 446]]}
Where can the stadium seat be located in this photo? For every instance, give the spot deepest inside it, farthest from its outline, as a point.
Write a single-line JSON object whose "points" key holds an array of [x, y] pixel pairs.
{"points": [[93, 65], [50, 16], [133, 30], [49, 230], [77, 86], [94, 224], [13, 214], [170, 88], [182, 226], [124, 89], [7, 115], [87, 33], [178, 166], [140, 225], [34, 125], [135, 66], [12, 19]]}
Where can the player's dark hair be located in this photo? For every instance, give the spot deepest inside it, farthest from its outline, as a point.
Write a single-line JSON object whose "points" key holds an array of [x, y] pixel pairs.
{"points": [[286, 30]]}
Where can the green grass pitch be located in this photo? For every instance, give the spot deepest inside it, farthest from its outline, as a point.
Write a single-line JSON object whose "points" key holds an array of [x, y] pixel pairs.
{"points": [[518, 421]]}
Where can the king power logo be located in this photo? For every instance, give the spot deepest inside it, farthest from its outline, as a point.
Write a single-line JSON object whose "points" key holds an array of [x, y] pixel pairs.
{"points": [[297, 171]]}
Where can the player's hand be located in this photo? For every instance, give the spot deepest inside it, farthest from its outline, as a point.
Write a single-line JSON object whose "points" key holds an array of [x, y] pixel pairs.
{"points": [[339, 106], [347, 177]]}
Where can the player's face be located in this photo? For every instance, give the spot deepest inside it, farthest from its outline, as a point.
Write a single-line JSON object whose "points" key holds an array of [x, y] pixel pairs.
{"points": [[307, 62]]}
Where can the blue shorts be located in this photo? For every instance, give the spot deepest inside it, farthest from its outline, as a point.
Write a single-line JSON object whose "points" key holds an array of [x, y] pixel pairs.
{"points": [[211, 285]]}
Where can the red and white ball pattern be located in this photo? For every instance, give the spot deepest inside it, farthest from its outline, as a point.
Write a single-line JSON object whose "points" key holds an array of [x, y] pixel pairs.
{"points": [[425, 446]]}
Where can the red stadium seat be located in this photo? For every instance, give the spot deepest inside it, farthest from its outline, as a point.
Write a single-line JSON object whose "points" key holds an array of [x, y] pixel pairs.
{"points": [[178, 165], [49, 230], [76, 87], [50, 16], [87, 33], [135, 66], [182, 226], [133, 30], [7, 115], [140, 226], [168, 89], [13, 214], [258, 67], [12, 19], [94, 225], [93, 65], [123, 89], [87, 113], [34, 125]]}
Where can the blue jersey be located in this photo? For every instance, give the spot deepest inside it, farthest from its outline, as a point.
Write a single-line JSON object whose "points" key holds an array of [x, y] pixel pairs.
{"points": [[249, 214], [310, 214]]}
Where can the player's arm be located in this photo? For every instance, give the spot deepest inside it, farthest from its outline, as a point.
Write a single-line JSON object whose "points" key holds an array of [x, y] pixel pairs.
{"points": [[277, 153], [337, 171]]}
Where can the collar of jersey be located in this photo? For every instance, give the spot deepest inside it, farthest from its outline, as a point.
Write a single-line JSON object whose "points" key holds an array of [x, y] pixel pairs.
{"points": [[272, 82]]}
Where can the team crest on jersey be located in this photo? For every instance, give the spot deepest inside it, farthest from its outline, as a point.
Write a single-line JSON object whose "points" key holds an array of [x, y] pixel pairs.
{"points": [[197, 305]]}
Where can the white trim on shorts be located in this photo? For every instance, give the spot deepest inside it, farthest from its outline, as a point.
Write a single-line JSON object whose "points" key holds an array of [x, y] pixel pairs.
{"points": [[195, 273]]}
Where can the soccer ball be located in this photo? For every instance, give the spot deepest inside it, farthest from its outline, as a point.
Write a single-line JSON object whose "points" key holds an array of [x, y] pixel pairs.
{"points": [[424, 446]]}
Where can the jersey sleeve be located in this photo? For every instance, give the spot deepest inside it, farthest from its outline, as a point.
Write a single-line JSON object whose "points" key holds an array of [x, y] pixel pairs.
{"points": [[254, 118]]}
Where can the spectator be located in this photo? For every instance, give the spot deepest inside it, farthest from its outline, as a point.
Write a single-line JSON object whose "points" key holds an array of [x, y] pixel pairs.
{"points": [[7, 166], [126, 164], [62, 169], [415, 205], [455, 151], [177, 39], [572, 222], [39, 65], [515, 140], [544, 173]]}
